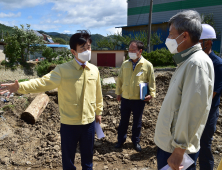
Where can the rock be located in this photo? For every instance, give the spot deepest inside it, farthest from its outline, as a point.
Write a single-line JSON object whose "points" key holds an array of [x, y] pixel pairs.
{"points": [[97, 143], [216, 152], [5, 160], [114, 157], [57, 147], [125, 161], [28, 163], [114, 121], [103, 125], [106, 167], [95, 158], [110, 159], [47, 160], [52, 92]]}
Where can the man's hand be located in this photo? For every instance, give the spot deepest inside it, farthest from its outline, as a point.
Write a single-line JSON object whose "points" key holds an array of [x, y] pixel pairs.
{"points": [[118, 98], [147, 98], [9, 87], [174, 161], [98, 118]]}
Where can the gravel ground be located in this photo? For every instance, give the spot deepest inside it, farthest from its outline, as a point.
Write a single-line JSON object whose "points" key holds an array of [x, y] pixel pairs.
{"points": [[16, 74]]}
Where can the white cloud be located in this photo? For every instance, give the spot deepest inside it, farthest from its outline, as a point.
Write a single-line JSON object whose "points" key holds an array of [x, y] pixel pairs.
{"points": [[9, 15], [90, 13], [72, 14], [14, 4], [44, 27], [113, 30], [9, 23], [66, 31]]}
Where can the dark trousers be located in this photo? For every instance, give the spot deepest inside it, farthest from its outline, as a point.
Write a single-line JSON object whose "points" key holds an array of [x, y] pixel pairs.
{"points": [[162, 157], [70, 136], [206, 159], [136, 106]]}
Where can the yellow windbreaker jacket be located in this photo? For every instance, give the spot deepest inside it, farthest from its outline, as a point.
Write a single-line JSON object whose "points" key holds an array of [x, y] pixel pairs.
{"points": [[79, 91], [129, 79]]}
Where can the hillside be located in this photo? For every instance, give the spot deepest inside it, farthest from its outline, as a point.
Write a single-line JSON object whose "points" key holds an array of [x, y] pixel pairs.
{"points": [[66, 37], [5, 29]]}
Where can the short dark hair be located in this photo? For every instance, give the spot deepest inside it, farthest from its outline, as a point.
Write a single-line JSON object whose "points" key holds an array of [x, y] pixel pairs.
{"points": [[79, 38], [138, 43]]}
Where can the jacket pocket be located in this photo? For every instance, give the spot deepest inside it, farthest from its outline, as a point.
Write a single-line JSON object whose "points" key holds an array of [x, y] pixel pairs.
{"points": [[91, 85], [93, 106]]}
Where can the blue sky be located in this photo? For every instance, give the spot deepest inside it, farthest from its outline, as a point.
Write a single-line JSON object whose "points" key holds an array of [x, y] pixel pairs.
{"points": [[65, 16]]}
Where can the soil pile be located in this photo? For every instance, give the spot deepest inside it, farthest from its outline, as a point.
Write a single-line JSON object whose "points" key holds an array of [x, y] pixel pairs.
{"points": [[38, 146]]}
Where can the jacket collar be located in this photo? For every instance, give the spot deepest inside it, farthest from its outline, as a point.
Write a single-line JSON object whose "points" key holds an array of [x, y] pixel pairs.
{"points": [[141, 61], [79, 67], [184, 55]]}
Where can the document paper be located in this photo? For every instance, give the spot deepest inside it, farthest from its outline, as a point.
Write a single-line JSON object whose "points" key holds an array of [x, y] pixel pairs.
{"points": [[99, 130], [186, 163]]}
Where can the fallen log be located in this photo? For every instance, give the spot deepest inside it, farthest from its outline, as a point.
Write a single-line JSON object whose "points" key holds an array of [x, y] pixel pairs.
{"points": [[35, 109]]}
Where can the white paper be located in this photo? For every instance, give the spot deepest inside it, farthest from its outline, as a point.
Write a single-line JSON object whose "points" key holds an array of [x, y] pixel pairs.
{"points": [[141, 91], [138, 74], [186, 163], [99, 131]]}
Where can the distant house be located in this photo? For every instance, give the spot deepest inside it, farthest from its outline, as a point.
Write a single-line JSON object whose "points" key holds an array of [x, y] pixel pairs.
{"points": [[2, 55], [49, 43], [108, 58], [46, 38], [55, 47]]}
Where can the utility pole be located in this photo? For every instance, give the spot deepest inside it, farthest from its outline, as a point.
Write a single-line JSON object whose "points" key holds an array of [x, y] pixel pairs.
{"points": [[149, 28]]}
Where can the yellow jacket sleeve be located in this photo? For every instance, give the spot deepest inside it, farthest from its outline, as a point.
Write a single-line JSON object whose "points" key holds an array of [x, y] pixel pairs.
{"points": [[99, 97], [152, 84], [119, 82], [48, 82]]}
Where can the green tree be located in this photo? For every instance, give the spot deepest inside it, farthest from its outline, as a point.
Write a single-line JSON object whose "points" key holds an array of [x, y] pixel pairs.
{"points": [[65, 54], [49, 54], [116, 41], [22, 42], [59, 40], [113, 41], [209, 19]]}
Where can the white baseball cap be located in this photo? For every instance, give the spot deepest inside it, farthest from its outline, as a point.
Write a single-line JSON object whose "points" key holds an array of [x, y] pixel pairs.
{"points": [[208, 32]]}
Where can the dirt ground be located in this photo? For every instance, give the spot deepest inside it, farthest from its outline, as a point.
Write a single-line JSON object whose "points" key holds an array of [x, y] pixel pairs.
{"points": [[24, 146]]}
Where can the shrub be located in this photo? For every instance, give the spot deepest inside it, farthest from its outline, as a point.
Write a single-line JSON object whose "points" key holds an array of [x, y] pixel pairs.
{"points": [[22, 80], [159, 57], [3, 62], [49, 54], [45, 66]]}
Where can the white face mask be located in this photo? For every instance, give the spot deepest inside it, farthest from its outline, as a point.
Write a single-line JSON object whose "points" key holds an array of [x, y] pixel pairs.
{"points": [[85, 56], [172, 44], [133, 56]]}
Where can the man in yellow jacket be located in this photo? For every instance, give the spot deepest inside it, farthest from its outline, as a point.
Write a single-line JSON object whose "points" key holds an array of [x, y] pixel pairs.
{"points": [[134, 71], [80, 98]]}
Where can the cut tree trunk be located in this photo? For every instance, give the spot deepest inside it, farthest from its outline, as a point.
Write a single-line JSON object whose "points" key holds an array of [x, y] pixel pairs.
{"points": [[35, 109]]}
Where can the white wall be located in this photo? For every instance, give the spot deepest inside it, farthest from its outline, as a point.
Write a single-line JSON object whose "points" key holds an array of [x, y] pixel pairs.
{"points": [[2, 55]]}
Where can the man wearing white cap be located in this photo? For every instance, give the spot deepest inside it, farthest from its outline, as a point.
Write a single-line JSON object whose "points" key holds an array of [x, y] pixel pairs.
{"points": [[206, 159]]}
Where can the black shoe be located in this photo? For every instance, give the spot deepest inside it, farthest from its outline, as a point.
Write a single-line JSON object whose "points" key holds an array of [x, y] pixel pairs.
{"points": [[137, 147], [118, 145]]}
